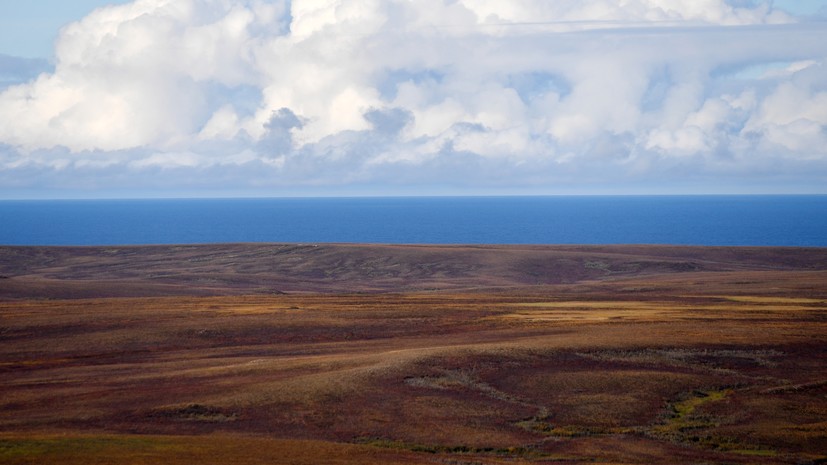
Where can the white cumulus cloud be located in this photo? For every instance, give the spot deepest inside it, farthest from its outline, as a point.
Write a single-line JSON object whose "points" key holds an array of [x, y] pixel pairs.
{"points": [[262, 94]]}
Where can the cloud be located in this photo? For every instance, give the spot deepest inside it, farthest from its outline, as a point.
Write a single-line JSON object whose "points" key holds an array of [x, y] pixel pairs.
{"points": [[259, 94]]}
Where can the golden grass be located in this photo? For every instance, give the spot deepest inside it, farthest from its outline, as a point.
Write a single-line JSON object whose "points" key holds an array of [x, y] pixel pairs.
{"points": [[772, 300], [602, 311], [570, 372]]}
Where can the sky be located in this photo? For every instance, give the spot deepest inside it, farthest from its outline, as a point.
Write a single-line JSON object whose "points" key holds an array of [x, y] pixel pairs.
{"points": [[218, 98]]}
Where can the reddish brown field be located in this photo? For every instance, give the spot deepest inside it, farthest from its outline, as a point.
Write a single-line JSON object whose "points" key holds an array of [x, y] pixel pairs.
{"points": [[340, 354]]}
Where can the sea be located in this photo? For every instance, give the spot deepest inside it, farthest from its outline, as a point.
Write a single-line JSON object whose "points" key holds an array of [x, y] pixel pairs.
{"points": [[760, 220]]}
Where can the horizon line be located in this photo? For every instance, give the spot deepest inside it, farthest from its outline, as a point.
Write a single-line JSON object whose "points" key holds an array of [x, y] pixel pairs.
{"points": [[404, 196]]}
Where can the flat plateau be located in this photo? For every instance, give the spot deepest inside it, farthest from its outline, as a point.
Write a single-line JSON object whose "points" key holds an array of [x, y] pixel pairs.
{"points": [[360, 354]]}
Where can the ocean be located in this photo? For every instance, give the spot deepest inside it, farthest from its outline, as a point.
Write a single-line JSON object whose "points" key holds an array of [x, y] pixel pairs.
{"points": [[677, 220]]}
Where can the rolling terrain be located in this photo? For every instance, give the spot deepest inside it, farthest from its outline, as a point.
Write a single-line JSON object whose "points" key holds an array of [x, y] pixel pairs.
{"points": [[294, 354], [222, 269]]}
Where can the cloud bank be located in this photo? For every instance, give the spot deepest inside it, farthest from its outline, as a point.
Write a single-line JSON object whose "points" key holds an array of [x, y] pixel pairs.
{"points": [[476, 95]]}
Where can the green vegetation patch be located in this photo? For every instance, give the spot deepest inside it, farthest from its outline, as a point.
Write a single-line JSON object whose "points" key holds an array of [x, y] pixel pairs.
{"points": [[540, 424], [685, 424], [195, 412], [510, 452], [682, 414]]}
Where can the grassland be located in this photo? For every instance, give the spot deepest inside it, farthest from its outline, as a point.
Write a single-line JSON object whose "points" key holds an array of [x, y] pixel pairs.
{"points": [[252, 354]]}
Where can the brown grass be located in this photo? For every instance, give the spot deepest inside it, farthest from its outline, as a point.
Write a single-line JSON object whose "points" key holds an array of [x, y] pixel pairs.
{"points": [[693, 367]]}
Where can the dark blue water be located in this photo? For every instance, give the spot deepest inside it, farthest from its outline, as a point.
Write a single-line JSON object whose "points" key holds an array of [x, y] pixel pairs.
{"points": [[688, 220]]}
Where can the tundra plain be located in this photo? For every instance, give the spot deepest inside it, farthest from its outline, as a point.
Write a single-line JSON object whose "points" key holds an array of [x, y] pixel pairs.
{"points": [[361, 354]]}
